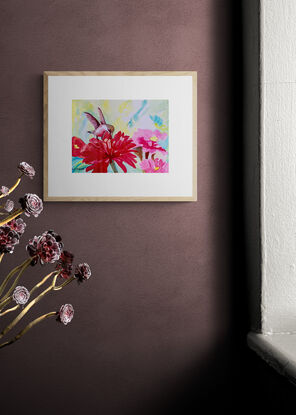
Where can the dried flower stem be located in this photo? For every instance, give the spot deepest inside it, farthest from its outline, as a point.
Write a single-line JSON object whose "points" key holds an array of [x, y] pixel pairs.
{"points": [[14, 215], [11, 274], [59, 287], [1, 257], [28, 307], [9, 299], [9, 310], [5, 302], [42, 282], [16, 280], [55, 288], [28, 327], [13, 187]]}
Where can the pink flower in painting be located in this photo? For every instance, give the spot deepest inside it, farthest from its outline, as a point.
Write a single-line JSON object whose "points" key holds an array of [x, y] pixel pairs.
{"points": [[149, 139], [154, 166]]}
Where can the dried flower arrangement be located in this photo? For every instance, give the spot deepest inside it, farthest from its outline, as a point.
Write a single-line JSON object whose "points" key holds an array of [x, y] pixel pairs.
{"points": [[46, 249]]}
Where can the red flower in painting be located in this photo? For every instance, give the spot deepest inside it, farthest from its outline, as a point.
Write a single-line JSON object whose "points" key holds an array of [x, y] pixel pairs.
{"points": [[100, 153], [77, 146]]}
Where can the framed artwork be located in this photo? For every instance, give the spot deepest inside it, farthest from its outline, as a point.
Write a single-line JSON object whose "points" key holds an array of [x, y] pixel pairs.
{"points": [[120, 136]]}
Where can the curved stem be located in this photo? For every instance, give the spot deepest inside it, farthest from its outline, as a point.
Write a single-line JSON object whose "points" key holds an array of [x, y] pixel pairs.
{"points": [[9, 310], [13, 187], [42, 282], [28, 307], [59, 287], [8, 300], [14, 215], [16, 280], [1, 257], [5, 302], [28, 327], [10, 275]]}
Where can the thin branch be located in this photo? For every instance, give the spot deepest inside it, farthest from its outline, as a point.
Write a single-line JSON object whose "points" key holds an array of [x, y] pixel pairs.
{"points": [[14, 215], [8, 300], [28, 307], [5, 302], [10, 275], [9, 310], [28, 327], [12, 188], [16, 280], [59, 287], [42, 282]]}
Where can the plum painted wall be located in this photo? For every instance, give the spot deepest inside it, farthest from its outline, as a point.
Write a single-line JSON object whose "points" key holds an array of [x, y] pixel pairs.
{"points": [[153, 323]]}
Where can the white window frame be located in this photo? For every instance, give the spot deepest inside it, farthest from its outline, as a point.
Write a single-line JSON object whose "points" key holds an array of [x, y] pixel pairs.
{"points": [[270, 137]]}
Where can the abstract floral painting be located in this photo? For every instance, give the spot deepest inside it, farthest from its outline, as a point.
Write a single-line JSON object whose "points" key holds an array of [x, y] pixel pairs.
{"points": [[120, 136]]}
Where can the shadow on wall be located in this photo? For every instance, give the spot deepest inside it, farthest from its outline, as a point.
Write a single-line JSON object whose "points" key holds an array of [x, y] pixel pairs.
{"points": [[150, 341]]}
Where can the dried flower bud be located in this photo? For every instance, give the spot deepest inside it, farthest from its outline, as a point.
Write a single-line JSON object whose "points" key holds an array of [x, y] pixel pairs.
{"points": [[32, 204], [65, 264], [82, 272], [4, 190], [21, 295], [17, 225], [9, 205], [66, 313], [8, 239], [46, 247], [26, 169]]}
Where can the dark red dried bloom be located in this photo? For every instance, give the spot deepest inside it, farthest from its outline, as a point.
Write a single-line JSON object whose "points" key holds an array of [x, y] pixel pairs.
{"points": [[82, 272], [8, 239], [17, 225], [66, 313], [65, 264], [32, 204], [26, 169], [46, 247]]}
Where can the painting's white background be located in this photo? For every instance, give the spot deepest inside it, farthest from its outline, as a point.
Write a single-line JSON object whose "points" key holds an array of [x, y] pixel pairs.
{"points": [[61, 91], [278, 169]]}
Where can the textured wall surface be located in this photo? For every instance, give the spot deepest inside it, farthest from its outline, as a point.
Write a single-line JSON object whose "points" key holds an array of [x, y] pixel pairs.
{"points": [[152, 324], [278, 148]]}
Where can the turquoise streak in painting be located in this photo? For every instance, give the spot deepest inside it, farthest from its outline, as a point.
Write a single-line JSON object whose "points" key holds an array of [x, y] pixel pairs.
{"points": [[136, 116]]}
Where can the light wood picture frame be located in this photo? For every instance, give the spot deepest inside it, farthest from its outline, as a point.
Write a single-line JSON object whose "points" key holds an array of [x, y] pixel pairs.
{"points": [[134, 124]]}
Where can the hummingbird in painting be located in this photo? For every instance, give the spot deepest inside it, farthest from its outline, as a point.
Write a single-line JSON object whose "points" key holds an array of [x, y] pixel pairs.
{"points": [[100, 125]]}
